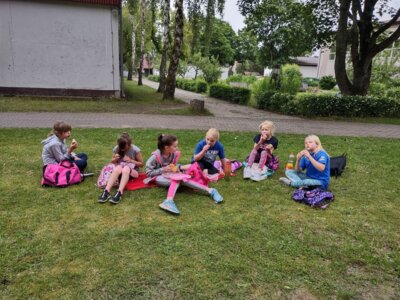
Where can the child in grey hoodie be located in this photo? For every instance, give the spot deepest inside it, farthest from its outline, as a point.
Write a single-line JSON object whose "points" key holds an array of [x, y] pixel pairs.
{"points": [[55, 150]]}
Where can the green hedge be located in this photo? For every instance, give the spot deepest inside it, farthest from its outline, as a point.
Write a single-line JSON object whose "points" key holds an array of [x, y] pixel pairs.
{"points": [[155, 78], [231, 94], [346, 106], [198, 86]]}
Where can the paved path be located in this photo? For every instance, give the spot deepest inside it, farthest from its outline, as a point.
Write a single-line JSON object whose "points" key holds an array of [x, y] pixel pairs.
{"points": [[228, 117]]}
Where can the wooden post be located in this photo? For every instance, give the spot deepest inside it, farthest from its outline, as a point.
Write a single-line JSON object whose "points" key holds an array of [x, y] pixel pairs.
{"points": [[197, 105]]}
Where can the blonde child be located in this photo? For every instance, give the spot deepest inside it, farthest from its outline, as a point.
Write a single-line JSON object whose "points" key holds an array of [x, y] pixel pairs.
{"points": [[207, 150], [164, 162], [315, 160], [127, 159], [264, 145], [56, 150]]}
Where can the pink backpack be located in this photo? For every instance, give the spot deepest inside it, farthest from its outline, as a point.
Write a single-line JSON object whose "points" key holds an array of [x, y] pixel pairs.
{"points": [[197, 174], [61, 175], [105, 175]]}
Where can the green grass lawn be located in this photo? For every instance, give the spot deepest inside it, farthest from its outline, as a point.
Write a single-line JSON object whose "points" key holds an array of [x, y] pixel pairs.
{"points": [[139, 99], [258, 244]]}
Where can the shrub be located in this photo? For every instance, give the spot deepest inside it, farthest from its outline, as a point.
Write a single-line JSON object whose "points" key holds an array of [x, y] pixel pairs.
{"points": [[327, 83], [281, 102], [241, 78], [155, 78], [232, 94], [377, 89], [348, 106], [198, 85], [291, 79], [262, 91], [393, 93], [311, 82]]}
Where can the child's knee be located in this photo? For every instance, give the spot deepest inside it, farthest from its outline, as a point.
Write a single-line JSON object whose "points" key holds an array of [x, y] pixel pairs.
{"points": [[126, 170]]}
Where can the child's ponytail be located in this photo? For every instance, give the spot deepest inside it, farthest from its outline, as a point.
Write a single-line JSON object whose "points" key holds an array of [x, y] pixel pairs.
{"points": [[165, 140]]}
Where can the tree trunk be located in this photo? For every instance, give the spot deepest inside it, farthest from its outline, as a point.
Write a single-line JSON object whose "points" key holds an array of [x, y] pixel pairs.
{"points": [[341, 49], [208, 27], [363, 44], [164, 57], [173, 66], [143, 25], [130, 73], [132, 68]]}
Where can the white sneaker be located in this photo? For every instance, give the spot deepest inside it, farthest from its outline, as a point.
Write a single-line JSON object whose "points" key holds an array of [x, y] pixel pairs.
{"points": [[285, 181], [247, 172]]}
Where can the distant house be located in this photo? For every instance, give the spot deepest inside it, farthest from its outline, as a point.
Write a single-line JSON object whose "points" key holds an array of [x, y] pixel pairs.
{"points": [[326, 64], [147, 67], [60, 47], [308, 66]]}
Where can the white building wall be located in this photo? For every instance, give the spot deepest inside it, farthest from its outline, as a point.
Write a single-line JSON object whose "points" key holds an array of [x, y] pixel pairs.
{"points": [[326, 64], [58, 45], [309, 71]]}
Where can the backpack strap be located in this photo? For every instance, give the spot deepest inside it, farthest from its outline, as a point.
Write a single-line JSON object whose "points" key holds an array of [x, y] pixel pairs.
{"points": [[158, 157], [176, 158]]}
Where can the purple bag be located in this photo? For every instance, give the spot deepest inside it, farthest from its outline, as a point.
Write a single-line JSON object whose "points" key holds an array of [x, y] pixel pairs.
{"points": [[315, 197], [61, 175]]}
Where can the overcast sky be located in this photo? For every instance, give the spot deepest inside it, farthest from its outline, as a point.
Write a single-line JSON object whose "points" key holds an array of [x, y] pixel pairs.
{"points": [[233, 17]]}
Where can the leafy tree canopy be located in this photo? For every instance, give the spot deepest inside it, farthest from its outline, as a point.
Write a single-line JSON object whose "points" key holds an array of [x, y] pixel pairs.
{"points": [[283, 28]]}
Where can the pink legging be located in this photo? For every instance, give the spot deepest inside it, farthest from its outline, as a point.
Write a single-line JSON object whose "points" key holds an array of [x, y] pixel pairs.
{"points": [[261, 157], [174, 185]]}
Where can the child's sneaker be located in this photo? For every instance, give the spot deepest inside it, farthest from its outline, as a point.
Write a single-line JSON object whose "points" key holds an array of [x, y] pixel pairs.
{"points": [[246, 172], [116, 198], [216, 196], [103, 198], [285, 181], [169, 206]]}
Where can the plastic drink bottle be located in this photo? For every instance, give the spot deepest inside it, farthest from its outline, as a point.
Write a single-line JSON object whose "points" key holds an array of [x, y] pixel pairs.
{"points": [[290, 162], [228, 168]]}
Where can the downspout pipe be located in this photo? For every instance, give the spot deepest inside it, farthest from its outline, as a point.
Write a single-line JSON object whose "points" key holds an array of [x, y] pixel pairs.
{"points": [[121, 57]]}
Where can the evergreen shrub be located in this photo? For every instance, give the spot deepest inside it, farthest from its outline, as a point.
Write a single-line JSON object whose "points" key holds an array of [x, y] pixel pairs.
{"points": [[231, 94], [155, 78], [326, 105], [327, 83]]}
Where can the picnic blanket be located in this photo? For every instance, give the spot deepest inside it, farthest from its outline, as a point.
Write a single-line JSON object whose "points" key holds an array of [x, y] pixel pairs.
{"points": [[137, 183]]}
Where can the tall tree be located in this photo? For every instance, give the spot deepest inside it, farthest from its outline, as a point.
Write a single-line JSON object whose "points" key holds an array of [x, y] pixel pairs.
{"points": [[284, 28], [366, 38], [166, 44], [142, 40], [169, 91], [223, 42]]}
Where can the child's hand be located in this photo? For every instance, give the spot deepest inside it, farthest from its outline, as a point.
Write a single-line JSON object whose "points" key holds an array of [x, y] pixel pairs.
{"points": [[206, 147], [127, 158], [74, 145]]}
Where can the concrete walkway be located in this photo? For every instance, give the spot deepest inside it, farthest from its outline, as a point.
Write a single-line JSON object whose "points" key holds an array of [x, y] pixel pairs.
{"points": [[227, 117]]}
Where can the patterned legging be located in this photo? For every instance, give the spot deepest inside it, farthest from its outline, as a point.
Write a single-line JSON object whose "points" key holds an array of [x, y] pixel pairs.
{"points": [[260, 157], [174, 185], [300, 179]]}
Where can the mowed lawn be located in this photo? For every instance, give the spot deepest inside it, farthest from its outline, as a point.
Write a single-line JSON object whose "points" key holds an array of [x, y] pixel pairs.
{"points": [[257, 244], [138, 100]]}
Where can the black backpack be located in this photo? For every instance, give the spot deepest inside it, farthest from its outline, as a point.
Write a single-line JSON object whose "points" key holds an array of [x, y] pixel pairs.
{"points": [[338, 163]]}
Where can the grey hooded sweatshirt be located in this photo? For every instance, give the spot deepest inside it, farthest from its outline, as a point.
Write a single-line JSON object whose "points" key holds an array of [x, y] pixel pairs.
{"points": [[54, 150]]}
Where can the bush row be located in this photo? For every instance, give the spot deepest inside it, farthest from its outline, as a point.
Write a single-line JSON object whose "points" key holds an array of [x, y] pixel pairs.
{"points": [[232, 94], [198, 86], [155, 78], [326, 105]]}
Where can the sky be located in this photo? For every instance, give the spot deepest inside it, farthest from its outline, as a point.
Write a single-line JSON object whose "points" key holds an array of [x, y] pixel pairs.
{"points": [[233, 17]]}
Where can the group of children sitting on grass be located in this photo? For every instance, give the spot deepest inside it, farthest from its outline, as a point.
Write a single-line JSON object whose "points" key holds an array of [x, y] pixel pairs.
{"points": [[164, 170]]}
